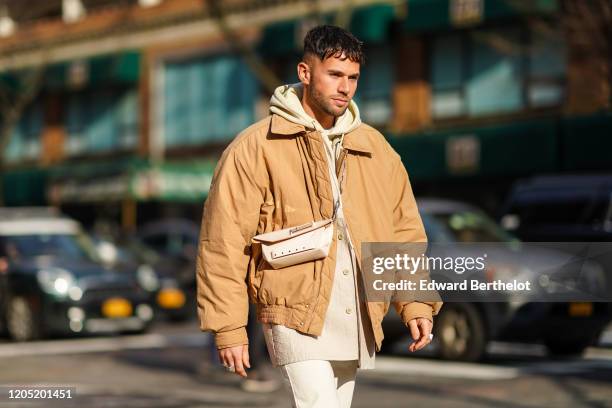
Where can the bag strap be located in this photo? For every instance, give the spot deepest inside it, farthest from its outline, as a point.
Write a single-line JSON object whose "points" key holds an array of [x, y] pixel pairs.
{"points": [[339, 180]]}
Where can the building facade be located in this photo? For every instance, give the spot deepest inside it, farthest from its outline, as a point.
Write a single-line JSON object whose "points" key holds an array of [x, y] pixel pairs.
{"points": [[127, 105]]}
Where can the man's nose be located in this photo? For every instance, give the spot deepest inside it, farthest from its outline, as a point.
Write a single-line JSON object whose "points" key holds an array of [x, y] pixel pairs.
{"points": [[343, 87]]}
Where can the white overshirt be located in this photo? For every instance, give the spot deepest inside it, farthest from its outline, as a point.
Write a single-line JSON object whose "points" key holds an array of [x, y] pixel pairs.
{"points": [[347, 332]]}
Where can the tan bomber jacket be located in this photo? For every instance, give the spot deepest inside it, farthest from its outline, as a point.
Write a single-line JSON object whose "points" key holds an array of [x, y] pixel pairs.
{"points": [[274, 175]]}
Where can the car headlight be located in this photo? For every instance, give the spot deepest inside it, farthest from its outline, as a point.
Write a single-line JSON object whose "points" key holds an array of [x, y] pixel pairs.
{"points": [[56, 281], [147, 278]]}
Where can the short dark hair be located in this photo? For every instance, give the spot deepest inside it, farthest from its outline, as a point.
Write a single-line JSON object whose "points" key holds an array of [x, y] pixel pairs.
{"points": [[326, 41]]}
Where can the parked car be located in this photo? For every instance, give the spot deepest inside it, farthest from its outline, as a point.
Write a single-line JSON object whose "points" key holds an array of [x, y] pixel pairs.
{"points": [[560, 208], [52, 283], [176, 240], [463, 329], [155, 273]]}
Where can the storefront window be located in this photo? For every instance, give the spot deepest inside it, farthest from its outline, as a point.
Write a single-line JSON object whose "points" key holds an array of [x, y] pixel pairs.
{"points": [[374, 90], [495, 75], [207, 99], [546, 69], [25, 137], [447, 73], [494, 71], [101, 120]]}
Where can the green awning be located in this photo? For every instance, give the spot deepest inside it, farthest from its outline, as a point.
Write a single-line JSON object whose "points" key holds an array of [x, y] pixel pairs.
{"points": [[132, 179], [108, 181], [432, 15], [515, 149], [123, 68], [180, 181], [24, 187], [369, 24], [547, 145], [586, 143], [279, 39], [426, 15]]}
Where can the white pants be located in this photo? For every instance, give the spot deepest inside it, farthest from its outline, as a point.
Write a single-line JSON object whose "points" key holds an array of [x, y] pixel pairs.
{"points": [[320, 383]]}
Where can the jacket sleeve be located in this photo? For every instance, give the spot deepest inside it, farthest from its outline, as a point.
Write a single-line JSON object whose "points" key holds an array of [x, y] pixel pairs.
{"points": [[230, 218], [408, 227]]}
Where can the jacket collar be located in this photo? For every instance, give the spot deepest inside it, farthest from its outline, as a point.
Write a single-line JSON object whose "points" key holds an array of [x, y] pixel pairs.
{"points": [[354, 140]]}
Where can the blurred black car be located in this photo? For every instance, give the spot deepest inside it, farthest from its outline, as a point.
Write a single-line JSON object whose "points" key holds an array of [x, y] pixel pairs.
{"points": [[463, 329], [175, 240], [52, 283], [155, 273], [560, 208]]}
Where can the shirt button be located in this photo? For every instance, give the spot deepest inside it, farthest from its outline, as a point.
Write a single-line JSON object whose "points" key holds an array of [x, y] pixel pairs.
{"points": [[345, 272], [349, 310], [340, 236], [307, 306]]}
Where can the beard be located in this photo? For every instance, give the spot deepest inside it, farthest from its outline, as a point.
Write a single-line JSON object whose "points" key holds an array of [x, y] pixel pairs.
{"points": [[324, 103]]}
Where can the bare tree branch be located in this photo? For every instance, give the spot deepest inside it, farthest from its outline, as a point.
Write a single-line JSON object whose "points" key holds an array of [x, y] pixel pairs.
{"points": [[266, 77]]}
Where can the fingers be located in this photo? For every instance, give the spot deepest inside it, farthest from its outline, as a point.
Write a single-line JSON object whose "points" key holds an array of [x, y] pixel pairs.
{"points": [[245, 357], [414, 329], [233, 357], [237, 356], [226, 357], [425, 329], [423, 338], [414, 332]]}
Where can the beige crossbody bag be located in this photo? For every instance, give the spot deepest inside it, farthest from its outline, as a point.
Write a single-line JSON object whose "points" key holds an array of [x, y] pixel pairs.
{"points": [[291, 246], [307, 242]]}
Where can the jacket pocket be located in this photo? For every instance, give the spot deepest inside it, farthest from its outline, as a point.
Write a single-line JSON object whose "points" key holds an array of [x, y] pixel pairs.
{"points": [[293, 285]]}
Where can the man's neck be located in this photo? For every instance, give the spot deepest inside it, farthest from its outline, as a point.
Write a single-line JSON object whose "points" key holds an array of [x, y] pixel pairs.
{"points": [[326, 121]]}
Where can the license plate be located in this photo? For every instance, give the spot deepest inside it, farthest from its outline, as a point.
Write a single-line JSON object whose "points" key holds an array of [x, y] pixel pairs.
{"points": [[580, 309], [171, 298], [117, 307]]}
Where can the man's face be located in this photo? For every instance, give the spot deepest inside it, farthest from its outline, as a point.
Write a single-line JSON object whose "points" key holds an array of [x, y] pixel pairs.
{"points": [[331, 83]]}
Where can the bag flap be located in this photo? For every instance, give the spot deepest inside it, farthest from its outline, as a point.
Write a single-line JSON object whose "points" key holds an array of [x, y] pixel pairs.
{"points": [[286, 233]]}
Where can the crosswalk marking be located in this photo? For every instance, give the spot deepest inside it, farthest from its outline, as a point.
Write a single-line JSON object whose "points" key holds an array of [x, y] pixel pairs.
{"points": [[95, 345], [593, 359], [446, 369]]}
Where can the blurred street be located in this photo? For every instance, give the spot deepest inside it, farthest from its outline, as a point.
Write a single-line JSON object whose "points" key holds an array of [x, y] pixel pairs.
{"points": [[169, 368]]}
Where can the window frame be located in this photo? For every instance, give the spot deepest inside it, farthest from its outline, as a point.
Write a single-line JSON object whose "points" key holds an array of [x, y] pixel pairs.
{"points": [[36, 108], [117, 92], [527, 80], [189, 144]]}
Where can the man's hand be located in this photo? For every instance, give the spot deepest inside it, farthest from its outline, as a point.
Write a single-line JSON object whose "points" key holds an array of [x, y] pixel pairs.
{"points": [[420, 329], [236, 357]]}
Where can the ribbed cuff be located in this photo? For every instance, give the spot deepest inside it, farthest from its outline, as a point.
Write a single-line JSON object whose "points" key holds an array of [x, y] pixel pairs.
{"points": [[415, 310], [231, 338]]}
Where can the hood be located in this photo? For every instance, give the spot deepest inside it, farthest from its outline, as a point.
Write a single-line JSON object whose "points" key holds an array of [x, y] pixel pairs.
{"points": [[286, 102]]}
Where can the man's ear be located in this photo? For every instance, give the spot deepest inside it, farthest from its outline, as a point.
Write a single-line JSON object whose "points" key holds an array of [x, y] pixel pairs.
{"points": [[303, 71]]}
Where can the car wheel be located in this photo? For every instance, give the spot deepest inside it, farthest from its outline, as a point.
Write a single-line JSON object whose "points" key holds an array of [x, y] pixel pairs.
{"points": [[178, 317], [460, 332], [565, 347], [3, 332], [22, 322]]}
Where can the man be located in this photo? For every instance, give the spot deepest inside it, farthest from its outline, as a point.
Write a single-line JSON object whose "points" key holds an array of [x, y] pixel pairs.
{"points": [[311, 155]]}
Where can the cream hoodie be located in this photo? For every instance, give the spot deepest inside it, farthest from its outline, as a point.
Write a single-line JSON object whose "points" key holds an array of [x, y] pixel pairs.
{"points": [[286, 102]]}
